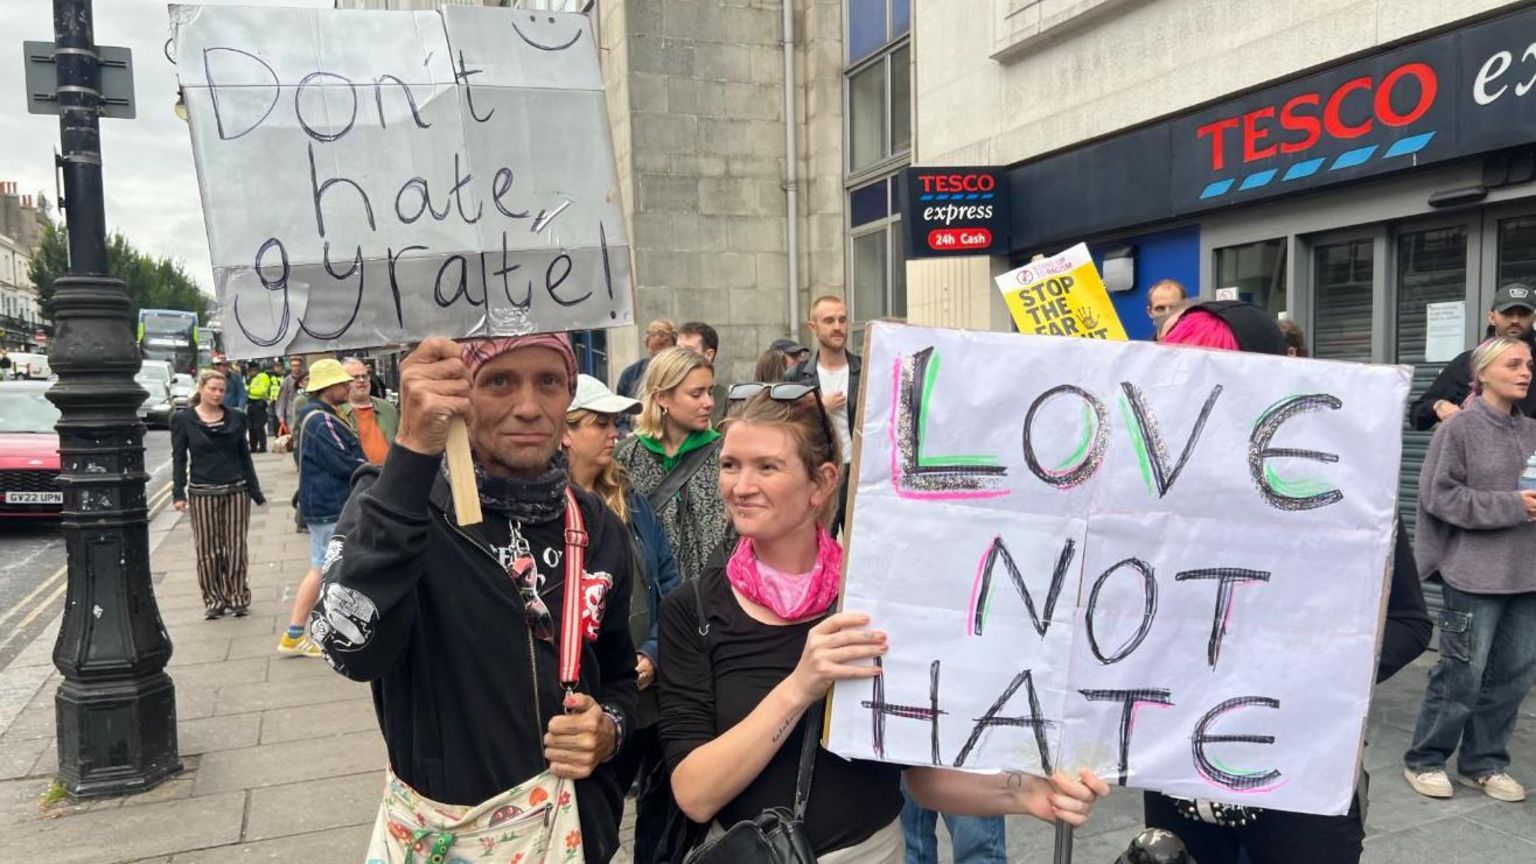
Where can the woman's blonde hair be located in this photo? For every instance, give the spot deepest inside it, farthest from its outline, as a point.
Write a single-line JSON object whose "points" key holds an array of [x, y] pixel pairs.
{"points": [[664, 373], [611, 483], [809, 432], [204, 377], [1484, 355]]}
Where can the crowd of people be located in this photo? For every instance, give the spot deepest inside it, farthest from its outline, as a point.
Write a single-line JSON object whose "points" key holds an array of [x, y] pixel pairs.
{"points": [[647, 608]]}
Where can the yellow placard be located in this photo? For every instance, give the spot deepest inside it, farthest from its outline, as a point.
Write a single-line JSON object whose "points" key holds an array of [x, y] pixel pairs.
{"points": [[1061, 296]]}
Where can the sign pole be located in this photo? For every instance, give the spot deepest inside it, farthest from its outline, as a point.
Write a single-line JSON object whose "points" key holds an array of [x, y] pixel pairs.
{"points": [[1063, 853], [116, 707]]}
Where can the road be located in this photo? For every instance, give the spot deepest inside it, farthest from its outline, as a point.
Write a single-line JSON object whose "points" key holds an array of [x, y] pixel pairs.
{"points": [[31, 553]]}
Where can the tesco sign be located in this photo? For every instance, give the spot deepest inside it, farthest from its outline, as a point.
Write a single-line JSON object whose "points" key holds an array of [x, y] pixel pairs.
{"points": [[954, 211], [1351, 110]]}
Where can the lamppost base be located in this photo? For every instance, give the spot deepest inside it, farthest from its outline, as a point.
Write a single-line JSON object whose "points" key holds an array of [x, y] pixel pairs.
{"points": [[102, 745]]}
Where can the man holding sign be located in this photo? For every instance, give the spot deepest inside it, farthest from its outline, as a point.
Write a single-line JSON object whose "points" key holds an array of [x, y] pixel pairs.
{"points": [[484, 718]]}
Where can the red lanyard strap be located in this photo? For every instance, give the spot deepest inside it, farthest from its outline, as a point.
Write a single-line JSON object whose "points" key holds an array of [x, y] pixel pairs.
{"points": [[570, 618]]}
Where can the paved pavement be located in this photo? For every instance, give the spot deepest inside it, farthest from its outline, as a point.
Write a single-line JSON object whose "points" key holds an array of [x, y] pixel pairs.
{"points": [[283, 761]]}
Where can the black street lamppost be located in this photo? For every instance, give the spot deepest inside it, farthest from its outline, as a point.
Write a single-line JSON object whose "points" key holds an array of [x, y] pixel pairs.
{"points": [[116, 708]]}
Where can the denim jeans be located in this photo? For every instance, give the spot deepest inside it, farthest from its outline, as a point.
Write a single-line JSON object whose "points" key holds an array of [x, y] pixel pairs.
{"points": [[1487, 665], [973, 839]]}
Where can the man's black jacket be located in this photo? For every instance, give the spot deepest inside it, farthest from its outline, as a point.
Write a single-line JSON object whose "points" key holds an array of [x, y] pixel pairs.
{"points": [[424, 610], [1454, 385]]}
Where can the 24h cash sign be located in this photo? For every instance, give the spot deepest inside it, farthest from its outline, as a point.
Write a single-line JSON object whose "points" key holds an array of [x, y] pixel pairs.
{"points": [[1164, 564], [370, 177]]}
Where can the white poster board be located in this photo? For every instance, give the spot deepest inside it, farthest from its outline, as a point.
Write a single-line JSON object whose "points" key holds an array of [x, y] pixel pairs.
{"points": [[1164, 564], [371, 177]]}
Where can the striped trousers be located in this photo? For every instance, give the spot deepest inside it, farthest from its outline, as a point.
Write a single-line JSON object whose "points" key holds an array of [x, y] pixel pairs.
{"points": [[221, 518]]}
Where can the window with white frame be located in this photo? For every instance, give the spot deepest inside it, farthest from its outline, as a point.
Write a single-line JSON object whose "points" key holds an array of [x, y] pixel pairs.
{"points": [[878, 143]]}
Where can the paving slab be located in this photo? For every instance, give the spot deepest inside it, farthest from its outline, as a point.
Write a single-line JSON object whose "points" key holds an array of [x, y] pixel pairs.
{"points": [[225, 732], [17, 758], [1448, 840], [226, 674], [240, 698], [197, 653], [291, 762], [316, 805], [130, 833], [342, 846], [295, 724]]}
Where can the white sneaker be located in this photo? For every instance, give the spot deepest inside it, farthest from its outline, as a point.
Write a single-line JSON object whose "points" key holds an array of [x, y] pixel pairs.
{"points": [[1498, 786], [1431, 783]]}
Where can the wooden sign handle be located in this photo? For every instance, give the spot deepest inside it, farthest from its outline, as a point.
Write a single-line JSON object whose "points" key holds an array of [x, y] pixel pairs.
{"points": [[461, 474]]}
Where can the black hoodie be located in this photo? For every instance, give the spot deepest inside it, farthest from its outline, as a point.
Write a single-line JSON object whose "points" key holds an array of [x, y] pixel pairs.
{"points": [[424, 609]]}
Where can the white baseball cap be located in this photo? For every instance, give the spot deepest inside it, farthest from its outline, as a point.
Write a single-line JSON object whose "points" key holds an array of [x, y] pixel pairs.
{"points": [[593, 395]]}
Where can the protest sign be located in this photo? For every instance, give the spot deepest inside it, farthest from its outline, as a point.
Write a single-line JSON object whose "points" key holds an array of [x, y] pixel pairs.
{"points": [[1164, 564], [1061, 296], [370, 178]]}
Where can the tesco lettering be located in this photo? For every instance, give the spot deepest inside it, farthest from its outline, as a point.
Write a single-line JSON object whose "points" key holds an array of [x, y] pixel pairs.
{"points": [[949, 183], [1301, 122]]}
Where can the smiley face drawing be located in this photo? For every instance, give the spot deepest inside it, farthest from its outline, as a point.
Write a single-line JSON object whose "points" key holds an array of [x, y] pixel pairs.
{"points": [[534, 26]]}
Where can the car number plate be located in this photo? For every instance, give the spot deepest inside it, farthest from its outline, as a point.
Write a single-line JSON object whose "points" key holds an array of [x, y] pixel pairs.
{"points": [[34, 497]]}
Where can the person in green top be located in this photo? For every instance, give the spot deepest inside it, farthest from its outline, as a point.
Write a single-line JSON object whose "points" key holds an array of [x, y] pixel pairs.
{"points": [[673, 437]]}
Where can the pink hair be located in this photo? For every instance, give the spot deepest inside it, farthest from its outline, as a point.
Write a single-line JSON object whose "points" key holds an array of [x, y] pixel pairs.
{"points": [[1201, 329]]}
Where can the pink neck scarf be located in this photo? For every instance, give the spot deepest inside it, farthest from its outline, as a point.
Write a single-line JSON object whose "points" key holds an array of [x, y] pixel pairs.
{"points": [[791, 596]]}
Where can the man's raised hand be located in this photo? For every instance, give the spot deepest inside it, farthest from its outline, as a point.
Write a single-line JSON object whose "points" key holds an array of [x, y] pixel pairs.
{"points": [[434, 388]]}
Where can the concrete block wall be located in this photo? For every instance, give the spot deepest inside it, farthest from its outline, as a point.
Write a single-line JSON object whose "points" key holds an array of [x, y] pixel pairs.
{"points": [[1062, 73], [695, 91]]}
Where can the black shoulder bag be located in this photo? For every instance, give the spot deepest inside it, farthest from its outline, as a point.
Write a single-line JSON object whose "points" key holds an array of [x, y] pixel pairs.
{"points": [[681, 474], [776, 836]]}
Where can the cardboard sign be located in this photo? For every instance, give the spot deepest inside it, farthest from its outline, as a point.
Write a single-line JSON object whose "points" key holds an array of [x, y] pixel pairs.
{"points": [[370, 178], [1061, 296], [1165, 564]]}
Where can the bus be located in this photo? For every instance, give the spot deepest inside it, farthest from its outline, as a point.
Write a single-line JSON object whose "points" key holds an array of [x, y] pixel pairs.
{"points": [[210, 341], [169, 335]]}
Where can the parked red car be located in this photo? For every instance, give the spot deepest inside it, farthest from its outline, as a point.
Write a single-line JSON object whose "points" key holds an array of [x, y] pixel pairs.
{"points": [[29, 452]]}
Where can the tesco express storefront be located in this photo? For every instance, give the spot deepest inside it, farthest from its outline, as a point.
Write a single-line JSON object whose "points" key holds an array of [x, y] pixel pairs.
{"points": [[1378, 203]]}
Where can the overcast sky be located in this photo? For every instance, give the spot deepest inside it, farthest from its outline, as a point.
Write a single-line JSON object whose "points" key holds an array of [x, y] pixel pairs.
{"points": [[146, 162]]}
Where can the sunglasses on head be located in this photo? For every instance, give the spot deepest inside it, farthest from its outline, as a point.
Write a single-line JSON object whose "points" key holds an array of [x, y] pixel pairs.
{"points": [[785, 392]]}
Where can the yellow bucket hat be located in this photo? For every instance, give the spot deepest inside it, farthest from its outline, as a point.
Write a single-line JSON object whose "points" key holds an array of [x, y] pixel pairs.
{"points": [[326, 373]]}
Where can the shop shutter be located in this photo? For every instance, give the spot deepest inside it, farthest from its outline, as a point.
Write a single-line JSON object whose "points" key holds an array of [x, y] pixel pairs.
{"points": [[1431, 268]]}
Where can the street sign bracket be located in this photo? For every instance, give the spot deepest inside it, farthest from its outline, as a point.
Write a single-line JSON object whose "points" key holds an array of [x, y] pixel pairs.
{"points": [[116, 64]]}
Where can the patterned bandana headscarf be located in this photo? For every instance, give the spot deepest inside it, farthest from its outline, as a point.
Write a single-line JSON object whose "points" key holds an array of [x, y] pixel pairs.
{"points": [[478, 352]]}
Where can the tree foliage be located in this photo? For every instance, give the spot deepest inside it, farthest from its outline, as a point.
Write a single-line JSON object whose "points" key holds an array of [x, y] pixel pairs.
{"points": [[153, 283]]}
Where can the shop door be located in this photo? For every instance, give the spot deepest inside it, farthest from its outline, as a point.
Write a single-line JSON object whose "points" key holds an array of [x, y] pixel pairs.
{"points": [[1432, 274]]}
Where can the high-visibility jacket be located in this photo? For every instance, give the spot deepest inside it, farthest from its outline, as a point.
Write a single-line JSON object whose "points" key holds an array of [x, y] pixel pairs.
{"points": [[262, 387]]}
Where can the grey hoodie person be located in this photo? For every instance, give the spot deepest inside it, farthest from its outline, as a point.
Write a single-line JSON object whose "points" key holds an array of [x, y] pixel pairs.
{"points": [[1473, 529]]}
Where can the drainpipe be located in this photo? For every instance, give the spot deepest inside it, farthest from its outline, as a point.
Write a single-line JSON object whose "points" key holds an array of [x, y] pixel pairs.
{"points": [[791, 181]]}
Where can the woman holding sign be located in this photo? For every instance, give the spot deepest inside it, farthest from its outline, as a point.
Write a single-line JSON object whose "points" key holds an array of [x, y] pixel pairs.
{"points": [[1220, 834], [751, 649], [1476, 534]]}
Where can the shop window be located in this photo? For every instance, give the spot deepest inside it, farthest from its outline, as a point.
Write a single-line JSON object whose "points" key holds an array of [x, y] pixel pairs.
{"points": [[591, 347], [1341, 317], [1517, 250], [1257, 271], [1431, 269]]}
